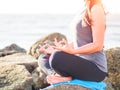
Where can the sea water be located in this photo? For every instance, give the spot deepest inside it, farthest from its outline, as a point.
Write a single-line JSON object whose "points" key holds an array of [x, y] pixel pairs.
{"points": [[25, 29]]}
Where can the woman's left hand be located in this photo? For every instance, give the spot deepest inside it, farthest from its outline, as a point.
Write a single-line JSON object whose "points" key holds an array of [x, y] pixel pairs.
{"points": [[48, 49], [68, 47]]}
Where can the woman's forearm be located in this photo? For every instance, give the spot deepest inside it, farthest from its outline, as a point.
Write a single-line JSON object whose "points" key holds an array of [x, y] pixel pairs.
{"points": [[88, 48]]}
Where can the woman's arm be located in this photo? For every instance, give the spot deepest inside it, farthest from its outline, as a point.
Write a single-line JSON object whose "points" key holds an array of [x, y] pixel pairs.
{"points": [[98, 29]]}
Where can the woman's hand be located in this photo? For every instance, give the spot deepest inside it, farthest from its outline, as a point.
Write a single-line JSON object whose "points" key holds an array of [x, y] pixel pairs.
{"points": [[62, 45], [48, 49], [59, 43], [67, 47]]}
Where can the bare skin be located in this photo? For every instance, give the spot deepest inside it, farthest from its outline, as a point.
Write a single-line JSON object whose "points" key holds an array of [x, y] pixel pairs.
{"points": [[52, 79]]}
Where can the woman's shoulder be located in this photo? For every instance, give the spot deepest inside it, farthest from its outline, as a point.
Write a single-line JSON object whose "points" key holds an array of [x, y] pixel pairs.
{"points": [[97, 11], [97, 8]]}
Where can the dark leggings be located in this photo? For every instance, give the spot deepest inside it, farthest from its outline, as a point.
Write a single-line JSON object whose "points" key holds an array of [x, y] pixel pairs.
{"points": [[76, 67]]}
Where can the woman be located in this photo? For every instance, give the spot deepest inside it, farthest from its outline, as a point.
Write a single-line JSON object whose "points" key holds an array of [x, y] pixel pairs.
{"points": [[87, 60]]}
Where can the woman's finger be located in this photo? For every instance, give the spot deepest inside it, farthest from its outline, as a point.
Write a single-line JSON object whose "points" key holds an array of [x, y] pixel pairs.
{"points": [[42, 48]]}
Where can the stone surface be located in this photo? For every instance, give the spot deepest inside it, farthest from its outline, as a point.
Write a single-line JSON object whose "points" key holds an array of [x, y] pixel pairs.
{"points": [[48, 39], [15, 77], [76, 87], [18, 58], [66, 87], [108, 83], [16, 72], [13, 48], [113, 57], [39, 79]]}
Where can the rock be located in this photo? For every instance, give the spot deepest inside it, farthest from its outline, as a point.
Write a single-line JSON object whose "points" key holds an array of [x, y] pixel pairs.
{"points": [[113, 57], [13, 48], [14, 77], [76, 87], [48, 39], [39, 79], [16, 72], [66, 87], [19, 59], [108, 83]]}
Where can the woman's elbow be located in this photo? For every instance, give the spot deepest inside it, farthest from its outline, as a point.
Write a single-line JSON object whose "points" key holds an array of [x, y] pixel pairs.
{"points": [[98, 46]]}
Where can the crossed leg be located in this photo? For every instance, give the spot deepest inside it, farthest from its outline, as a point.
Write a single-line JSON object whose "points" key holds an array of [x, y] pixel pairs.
{"points": [[52, 79]]}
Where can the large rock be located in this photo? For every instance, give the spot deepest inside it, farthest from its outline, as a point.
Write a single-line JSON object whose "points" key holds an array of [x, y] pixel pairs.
{"points": [[108, 83], [15, 77], [48, 39], [17, 71], [39, 79], [66, 87], [13, 48], [18, 59], [76, 87], [113, 57]]}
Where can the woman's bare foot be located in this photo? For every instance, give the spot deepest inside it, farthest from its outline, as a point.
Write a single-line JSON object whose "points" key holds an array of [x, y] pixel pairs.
{"points": [[52, 79]]}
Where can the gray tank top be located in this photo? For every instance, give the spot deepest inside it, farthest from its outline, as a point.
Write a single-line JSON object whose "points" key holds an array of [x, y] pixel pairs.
{"points": [[83, 35]]}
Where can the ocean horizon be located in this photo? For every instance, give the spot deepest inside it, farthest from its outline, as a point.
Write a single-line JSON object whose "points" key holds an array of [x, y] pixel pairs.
{"points": [[25, 29]]}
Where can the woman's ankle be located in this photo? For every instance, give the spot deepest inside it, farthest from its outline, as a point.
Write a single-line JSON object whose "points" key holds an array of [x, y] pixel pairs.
{"points": [[57, 79]]}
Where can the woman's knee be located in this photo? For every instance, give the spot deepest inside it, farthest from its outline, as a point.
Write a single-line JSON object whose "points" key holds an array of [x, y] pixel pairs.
{"points": [[56, 55], [55, 58]]}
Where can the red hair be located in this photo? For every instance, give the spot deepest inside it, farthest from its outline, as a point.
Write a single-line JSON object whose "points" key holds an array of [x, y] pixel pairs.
{"points": [[90, 4]]}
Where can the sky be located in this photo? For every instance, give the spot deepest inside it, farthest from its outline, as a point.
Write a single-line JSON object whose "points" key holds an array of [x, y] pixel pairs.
{"points": [[50, 6]]}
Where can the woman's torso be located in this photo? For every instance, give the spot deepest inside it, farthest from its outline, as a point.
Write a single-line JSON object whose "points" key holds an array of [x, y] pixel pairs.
{"points": [[82, 36]]}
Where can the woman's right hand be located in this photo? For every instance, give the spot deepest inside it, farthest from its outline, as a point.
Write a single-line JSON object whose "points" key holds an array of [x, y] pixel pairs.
{"points": [[48, 49]]}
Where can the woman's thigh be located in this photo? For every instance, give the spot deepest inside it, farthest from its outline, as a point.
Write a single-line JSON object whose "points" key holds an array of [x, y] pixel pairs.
{"points": [[70, 65]]}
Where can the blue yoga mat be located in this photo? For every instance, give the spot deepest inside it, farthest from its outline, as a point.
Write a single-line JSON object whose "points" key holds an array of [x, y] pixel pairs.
{"points": [[88, 84]]}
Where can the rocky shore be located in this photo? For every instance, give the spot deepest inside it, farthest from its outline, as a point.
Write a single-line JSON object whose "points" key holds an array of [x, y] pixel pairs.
{"points": [[19, 68]]}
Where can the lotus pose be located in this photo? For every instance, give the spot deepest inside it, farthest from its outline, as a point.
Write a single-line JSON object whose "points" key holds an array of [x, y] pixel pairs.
{"points": [[84, 58]]}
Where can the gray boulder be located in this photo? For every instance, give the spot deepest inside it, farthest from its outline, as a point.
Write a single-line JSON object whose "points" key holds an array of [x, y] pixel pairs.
{"points": [[16, 72], [48, 39], [76, 87], [113, 57], [13, 48], [66, 87], [15, 77]]}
